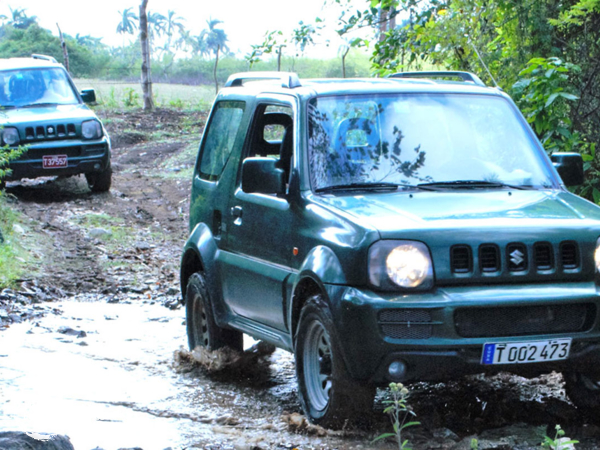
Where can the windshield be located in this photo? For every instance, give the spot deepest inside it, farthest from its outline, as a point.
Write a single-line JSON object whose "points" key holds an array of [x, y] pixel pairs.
{"points": [[27, 87], [415, 139]]}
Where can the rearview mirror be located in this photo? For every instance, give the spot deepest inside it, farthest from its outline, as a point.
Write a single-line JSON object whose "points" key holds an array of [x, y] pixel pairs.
{"points": [[88, 95], [261, 175], [569, 167]]}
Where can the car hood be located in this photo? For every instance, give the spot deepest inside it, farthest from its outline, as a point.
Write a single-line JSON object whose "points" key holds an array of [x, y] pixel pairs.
{"points": [[393, 213], [55, 113]]}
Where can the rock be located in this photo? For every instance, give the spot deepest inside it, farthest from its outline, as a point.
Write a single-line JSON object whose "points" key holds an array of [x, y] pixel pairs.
{"points": [[96, 233], [172, 291], [71, 332], [18, 440], [445, 433], [18, 229]]}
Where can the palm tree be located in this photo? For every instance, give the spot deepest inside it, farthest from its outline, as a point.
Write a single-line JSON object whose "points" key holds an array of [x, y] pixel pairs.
{"points": [[20, 19], [216, 40], [127, 24], [173, 24]]}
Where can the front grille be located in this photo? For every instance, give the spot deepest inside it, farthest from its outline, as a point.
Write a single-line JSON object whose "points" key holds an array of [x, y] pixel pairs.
{"points": [[461, 259], [489, 258], [543, 256], [524, 320], [406, 323], [38, 153], [569, 255], [47, 132]]}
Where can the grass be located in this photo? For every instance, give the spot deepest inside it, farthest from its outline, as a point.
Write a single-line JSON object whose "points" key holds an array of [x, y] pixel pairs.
{"points": [[14, 256], [114, 94], [184, 161]]}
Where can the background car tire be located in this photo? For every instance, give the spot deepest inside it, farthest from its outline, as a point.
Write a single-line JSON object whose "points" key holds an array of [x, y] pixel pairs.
{"points": [[583, 390], [99, 182], [329, 396], [201, 327]]}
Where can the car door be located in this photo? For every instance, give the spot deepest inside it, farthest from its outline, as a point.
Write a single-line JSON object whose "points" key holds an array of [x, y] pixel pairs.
{"points": [[258, 248]]}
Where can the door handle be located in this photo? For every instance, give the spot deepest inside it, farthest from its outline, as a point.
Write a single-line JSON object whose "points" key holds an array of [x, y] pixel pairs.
{"points": [[236, 212]]}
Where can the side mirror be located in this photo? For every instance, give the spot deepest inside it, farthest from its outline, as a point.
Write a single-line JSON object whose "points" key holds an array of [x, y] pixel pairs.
{"points": [[261, 175], [569, 167], [88, 95]]}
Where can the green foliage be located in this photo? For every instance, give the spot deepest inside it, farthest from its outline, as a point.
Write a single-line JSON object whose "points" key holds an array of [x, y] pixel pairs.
{"points": [[399, 412], [8, 154], [558, 443], [542, 94], [12, 255], [131, 99]]}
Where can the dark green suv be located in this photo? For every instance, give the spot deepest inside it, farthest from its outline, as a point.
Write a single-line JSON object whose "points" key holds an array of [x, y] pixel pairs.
{"points": [[399, 229], [41, 111]]}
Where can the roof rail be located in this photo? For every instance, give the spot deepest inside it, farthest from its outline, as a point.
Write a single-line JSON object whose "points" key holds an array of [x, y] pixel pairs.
{"points": [[467, 77], [44, 57], [288, 80]]}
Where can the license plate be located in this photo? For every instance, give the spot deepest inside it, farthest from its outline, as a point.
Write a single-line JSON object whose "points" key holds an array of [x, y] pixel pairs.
{"points": [[54, 161], [526, 352]]}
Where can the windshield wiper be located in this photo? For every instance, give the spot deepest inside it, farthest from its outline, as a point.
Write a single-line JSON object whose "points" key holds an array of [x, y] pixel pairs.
{"points": [[359, 186], [7, 107], [31, 105], [467, 184]]}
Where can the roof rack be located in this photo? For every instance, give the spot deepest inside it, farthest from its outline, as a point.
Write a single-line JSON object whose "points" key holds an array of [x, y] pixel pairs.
{"points": [[467, 77], [288, 80], [44, 57]]}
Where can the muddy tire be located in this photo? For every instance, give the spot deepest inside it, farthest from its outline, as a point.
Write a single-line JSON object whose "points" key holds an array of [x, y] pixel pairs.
{"points": [[329, 396], [201, 327], [99, 182], [584, 391]]}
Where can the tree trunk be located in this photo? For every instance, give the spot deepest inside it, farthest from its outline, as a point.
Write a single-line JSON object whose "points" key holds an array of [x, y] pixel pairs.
{"points": [[63, 44], [279, 59], [215, 69], [344, 62], [145, 42]]}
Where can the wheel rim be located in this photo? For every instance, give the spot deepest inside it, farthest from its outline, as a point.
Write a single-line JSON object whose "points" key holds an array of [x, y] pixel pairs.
{"points": [[200, 323], [317, 365]]}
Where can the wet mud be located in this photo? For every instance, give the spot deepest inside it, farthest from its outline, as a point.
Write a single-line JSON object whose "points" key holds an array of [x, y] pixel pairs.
{"points": [[93, 345]]}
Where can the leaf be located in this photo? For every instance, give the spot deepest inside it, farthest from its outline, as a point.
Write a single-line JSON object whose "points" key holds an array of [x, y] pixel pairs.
{"points": [[412, 424], [587, 157], [383, 436], [596, 196], [551, 99], [568, 96]]}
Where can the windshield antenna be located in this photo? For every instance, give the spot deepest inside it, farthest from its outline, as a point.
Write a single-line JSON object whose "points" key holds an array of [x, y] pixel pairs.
{"points": [[481, 61]]}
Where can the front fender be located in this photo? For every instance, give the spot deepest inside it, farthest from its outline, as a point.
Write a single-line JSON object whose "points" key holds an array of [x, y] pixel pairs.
{"points": [[323, 264]]}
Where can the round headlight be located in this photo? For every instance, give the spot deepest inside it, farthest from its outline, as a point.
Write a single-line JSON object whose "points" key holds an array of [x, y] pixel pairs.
{"points": [[597, 255], [408, 266], [91, 129], [10, 136]]}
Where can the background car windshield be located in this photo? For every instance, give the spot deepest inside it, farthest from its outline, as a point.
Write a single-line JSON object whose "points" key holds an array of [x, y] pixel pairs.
{"points": [[27, 87], [421, 138]]}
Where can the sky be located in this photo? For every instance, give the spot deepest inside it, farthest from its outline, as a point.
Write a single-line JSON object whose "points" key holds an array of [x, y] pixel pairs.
{"points": [[244, 21]]}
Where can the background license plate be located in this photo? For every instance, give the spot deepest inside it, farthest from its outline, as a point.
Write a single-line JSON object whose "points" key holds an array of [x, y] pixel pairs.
{"points": [[54, 161], [525, 352]]}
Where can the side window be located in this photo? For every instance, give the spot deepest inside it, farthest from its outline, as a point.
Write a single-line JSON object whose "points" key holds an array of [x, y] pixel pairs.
{"points": [[220, 137]]}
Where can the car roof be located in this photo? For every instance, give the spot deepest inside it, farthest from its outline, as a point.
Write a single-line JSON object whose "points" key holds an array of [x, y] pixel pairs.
{"points": [[251, 84], [28, 63]]}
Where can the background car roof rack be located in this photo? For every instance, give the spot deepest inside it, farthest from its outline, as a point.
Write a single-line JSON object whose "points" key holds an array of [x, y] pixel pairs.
{"points": [[44, 57], [288, 80], [467, 77]]}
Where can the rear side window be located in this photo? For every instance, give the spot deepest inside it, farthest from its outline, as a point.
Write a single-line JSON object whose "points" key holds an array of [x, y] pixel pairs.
{"points": [[220, 137]]}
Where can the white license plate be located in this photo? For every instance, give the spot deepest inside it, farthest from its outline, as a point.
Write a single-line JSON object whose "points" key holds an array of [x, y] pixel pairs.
{"points": [[54, 161], [525, 352]]}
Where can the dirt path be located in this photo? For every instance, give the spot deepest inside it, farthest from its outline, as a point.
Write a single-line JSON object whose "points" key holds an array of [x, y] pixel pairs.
{"points": [[99, 365]]}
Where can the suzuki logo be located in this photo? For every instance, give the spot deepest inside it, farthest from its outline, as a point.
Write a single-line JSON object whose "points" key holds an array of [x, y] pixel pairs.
{"points": [[516, 258]]}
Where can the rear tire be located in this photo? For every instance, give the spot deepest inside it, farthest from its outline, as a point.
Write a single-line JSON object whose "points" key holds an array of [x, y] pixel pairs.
{"points": [[201, 327], [329, 396], [583, 390], [99, 182]]}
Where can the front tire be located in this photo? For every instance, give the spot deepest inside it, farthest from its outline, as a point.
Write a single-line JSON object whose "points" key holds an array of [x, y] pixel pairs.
{"points": [[201, 327], [99, 182], [583, 390], [329, 396]]}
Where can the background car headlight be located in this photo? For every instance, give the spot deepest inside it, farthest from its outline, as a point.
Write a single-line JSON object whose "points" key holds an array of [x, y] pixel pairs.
{"points": [[400, 264], [91, 129], [597, 255], [10, 136]]}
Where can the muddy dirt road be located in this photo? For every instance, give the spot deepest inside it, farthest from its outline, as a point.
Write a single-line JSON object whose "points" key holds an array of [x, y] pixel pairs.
{"points": [[91, 342]]}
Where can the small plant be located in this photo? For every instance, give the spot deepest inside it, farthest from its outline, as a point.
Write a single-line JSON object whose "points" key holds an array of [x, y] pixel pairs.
{"points": [[557, 443], [399, 412], [131, 99], [474, 444]]}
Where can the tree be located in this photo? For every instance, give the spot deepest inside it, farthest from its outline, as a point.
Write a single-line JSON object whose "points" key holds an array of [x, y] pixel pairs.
{"points": [[173, 25], [127, 24], [20, 19], [216, 41], [145, 43]]}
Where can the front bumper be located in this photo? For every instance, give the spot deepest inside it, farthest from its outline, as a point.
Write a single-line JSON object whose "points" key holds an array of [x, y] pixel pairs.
{"points": [[82, 157], [450, 346]]}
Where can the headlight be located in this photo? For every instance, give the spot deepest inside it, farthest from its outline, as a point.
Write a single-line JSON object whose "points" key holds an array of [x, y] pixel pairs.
{"points": [[404, 264], [10, 136], [597, 255], [91, 129]]}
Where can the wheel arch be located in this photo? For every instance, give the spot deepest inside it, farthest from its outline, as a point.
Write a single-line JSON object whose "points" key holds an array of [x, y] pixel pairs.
{"points": [[199, 255]]}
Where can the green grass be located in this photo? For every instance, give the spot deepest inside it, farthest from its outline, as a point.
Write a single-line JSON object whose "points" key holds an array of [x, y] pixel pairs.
{"points": [[14, 257], [115, 94]]}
